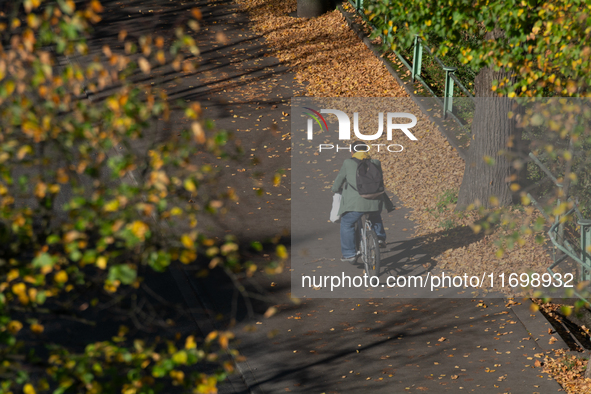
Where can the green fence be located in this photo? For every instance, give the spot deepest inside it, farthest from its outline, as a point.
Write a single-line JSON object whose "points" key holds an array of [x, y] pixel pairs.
{"points": [[570, 239]]}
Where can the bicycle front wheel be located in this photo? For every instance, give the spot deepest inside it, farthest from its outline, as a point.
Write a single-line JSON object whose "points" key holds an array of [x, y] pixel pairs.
{"points": [[372, 253]]}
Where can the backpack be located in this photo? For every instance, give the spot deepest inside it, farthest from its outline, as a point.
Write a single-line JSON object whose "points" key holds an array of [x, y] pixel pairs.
{"points": [[369, 178]]}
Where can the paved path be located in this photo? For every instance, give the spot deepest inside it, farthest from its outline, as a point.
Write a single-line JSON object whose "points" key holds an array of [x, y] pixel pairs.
{"points": [[347, 345]]}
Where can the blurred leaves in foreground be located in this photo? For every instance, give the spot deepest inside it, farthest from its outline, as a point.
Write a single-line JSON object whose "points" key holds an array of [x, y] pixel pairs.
{"points": [[91, 197]]}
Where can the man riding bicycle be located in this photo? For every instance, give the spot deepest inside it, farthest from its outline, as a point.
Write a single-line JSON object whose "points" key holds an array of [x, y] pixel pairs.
{"points": [[353, 206]]}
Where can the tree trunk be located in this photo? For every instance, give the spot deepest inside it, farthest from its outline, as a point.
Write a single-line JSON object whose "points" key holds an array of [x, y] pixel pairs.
{"points": [[492, 130], [314, 8]]}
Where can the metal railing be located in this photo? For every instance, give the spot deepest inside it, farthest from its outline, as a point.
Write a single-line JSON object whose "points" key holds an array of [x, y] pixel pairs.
{"points": [[569, 250], [579, 254]]}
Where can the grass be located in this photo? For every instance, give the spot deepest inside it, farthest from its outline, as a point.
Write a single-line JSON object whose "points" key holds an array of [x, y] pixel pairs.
{"points": [[446, 199], [447, 224]]}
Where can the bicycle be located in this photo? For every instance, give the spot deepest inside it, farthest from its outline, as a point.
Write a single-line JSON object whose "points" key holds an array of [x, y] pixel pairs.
{"points": [[368, 246]]}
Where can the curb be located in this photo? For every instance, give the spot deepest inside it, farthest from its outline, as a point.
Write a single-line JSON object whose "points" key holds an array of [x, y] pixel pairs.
{"points": [[538, 327]]}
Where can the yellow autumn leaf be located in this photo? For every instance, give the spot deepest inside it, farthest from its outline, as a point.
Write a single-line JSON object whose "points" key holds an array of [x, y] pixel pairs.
{"points": [[223, 340], [180, 357], [37, 328], [12, 275], [229, 248], [96, 6], [28, 6], [68, 6], [101, 262], [111, 287], [9, 85], [187, 241], [111, 206], [270, 312], [494, 201], [71, 236], [211, 336], [128, 389], [23, 298], [251, 269], [281, 252], [61, 277], [139, 229], [198, 132], [33, 21], [29, 389], [572, 176], [190, 185], [208, 385], [188, 256], [14, 326], [566, 310], [113, 104], [229, 366], [277, 179], [214, 262], [19, 288], [176, 65], [196, 13], [177, 376], [40, 189], [190, 342], [194, 25], [161, 57], [62, 175], [144, 65]]}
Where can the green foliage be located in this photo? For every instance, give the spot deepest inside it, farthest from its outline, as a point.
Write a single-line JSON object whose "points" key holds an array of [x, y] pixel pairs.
{"points": [[530, 31], [447, 224], [88, 195], [447, 198], [446, 201]]}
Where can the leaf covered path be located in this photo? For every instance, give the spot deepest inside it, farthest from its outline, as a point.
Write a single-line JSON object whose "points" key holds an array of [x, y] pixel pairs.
{"points": [[348, 345]]}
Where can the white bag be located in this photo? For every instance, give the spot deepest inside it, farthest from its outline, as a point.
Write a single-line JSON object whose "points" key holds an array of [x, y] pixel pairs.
{"points": [[336, 203]]}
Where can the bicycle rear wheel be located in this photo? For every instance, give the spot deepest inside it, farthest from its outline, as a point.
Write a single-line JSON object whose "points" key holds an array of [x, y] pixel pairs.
{"points": [[372, 253]]}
